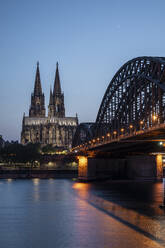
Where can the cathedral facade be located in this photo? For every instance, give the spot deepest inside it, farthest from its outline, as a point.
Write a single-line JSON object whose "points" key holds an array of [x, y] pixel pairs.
{"points": [[54, 129]]}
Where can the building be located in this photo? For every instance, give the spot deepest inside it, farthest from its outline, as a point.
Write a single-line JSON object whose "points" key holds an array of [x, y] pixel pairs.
{"points": [[55, 129]]}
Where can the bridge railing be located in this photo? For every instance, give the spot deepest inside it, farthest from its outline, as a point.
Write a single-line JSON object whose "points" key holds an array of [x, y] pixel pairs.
{"points": [[108, 138]]}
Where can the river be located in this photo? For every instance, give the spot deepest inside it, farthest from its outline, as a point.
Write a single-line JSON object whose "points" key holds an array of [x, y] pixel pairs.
{"points": [[61, 213]]}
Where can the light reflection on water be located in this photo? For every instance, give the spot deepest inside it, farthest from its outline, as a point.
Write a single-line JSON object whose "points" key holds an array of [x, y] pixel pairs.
{"points": [[9, 180], [63, 213], [36, 181], [149, 227]]}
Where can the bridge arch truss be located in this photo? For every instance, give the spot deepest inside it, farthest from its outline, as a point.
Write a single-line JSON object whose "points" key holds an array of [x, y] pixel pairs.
{"points": [[134, 99]]}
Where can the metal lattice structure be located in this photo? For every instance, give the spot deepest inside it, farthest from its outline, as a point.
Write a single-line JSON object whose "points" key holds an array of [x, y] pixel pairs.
{"points": [[133, 101], [84, 133], [135, 97]]}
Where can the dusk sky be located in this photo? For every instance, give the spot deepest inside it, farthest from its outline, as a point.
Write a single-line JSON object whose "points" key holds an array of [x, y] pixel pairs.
{"points": [[91, 40]]}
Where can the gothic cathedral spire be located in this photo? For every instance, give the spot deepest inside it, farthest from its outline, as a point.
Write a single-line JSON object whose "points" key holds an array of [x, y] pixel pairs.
{"points": [[37, 108], [57, 85], [57, 108], [37, 85]]}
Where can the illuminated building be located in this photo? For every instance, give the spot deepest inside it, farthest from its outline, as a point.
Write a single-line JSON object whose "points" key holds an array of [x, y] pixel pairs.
{"points": [[55, 129]]}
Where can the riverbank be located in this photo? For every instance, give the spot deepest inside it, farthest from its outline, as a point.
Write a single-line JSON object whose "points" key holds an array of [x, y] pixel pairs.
{"points": [[37, 173]]}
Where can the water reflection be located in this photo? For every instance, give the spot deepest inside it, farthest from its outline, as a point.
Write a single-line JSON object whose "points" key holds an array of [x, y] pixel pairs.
{"points": [[36, 191], [36, 181], [62, 213], [51, 180], [9, 180], [144, 225]]}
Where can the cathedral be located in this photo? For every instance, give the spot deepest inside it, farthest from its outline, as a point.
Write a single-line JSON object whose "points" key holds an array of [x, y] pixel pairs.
{"points": [[54, 129]]}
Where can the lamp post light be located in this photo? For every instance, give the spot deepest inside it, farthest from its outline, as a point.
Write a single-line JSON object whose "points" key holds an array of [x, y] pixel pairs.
{"points": [[115, 134], [131, 128], [122, 131], [108, 136], [154, 119], [141, 125]]}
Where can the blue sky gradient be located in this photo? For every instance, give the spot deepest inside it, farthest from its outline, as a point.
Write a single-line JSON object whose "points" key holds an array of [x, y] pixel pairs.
{"points": [[91, 40]]}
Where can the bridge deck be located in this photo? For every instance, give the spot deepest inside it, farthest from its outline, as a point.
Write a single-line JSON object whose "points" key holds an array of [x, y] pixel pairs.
{"points": [[135, 140]]}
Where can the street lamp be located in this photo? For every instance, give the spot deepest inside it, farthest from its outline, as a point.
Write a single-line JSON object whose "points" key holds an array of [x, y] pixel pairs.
{"points": [[115, 133], [122, 130], [154, 117], [141, 124], [108, 136], [131, 128]]}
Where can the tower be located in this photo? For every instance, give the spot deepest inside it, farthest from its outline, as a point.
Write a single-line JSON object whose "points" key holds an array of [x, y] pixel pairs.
{"points": [[56, 101], [51, 105], [54, 129], [37, 107]]}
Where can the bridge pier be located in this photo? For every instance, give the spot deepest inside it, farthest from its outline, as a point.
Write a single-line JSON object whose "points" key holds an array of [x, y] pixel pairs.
{"points": [[159, 166], [144, 167], [100, 168], [86, 169]]}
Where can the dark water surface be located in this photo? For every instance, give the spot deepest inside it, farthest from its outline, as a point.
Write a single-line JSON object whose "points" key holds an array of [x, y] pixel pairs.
{"points": [[63, 213]]}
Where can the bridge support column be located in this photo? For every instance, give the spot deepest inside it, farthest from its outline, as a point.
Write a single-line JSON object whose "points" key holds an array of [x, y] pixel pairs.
{"points": [[133, 167], [159, 166], [86, 169]]}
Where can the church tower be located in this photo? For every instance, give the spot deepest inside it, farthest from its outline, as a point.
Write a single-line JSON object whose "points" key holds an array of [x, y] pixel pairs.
{"points": [[37, 107], [56, 102], [55, 129]]}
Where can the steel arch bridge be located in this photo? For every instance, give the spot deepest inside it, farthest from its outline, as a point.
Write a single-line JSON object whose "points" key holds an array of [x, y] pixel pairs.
{"points": [[134, 101]]}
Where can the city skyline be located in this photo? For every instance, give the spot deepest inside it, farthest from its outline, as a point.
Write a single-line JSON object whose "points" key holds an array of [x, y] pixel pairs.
{"points": [[91, 40]]}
